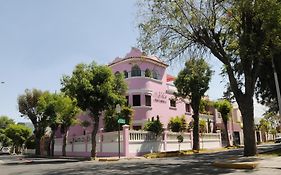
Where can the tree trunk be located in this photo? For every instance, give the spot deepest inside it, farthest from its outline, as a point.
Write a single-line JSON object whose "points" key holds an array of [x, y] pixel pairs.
{"points": [[226, 134], [246, 107], [53, 148], [51, 144], [196, 145], [94, 133], [37, 143], [195, 102], [64, 143]]}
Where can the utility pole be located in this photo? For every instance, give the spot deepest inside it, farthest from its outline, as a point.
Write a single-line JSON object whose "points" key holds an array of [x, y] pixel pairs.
{"points": [[277, 86]]}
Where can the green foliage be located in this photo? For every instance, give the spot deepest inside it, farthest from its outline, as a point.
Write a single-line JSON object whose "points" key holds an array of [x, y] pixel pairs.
{"points": [[18, 134], [177, 124], [205, 106], [5, 121], [4, 140], [180, 138], [111, 118], [264, 126], [274, 120], [28, 107], [193, 80], [202, 126], [67, 112], [30, 143], [154, 126], [95, 87], [224, 107], [241, 34], [96, 90]]}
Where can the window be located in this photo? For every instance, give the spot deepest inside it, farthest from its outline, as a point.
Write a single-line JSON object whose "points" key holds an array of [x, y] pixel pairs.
{"points": [[187, 107], [125, 74], [155, 74], [135, 71], [136, 100], [148, 73], [127, 100], [172, 103], [147, 100], [117, 73]]}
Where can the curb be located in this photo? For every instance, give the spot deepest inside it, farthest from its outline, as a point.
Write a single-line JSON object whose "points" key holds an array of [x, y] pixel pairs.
{"points": [[39, 162], [108, 159], [236, 165]]}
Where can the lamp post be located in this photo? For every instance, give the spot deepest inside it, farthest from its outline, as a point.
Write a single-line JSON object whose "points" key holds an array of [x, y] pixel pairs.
{"points": [[118, 110], [277, 86]]}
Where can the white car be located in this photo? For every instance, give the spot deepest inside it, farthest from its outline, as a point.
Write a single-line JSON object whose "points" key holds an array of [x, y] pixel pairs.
{"points": [[5, 150]]}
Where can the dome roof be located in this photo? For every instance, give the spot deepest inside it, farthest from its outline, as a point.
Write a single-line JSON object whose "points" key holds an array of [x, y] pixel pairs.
{"points": [[136, 53]]}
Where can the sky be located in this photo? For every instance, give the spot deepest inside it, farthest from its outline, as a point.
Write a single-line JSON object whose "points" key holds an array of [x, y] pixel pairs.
{"points": [[42, 40]]}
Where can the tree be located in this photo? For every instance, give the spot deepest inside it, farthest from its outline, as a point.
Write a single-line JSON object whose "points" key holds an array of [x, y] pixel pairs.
{"points": [[59, 110], [264, 126], [28, 107], [224, 107], [47, 106], [96, 90], [274, 120], [239, 33], [67, 114], [192, 82], [205, 106], [18, 135], [177, 124], [5, 121]]}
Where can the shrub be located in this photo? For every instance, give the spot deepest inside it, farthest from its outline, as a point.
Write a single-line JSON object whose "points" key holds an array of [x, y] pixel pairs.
{"points": [[177, 124], [154, 126]]}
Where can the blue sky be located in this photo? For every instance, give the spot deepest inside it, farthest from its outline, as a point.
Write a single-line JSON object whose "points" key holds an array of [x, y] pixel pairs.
{"points": [[40, 40]]}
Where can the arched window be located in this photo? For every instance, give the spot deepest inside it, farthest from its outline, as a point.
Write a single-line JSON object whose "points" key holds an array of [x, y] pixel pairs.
{"points": [[148, 73], [155, 74], [125, 74], [135, 71], [117, 73]]}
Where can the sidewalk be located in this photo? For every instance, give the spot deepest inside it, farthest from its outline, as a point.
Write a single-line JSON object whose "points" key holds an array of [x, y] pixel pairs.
{"points": [[21, 159]]}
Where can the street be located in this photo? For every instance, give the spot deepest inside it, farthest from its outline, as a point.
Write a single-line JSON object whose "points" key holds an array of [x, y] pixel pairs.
{"points": [[193, 164]]}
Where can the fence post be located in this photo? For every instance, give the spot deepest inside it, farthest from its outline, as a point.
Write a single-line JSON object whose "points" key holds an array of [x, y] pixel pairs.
{"points": [[126, 140], [165, 136], [219, 133], [191, 138], [100, 139]]}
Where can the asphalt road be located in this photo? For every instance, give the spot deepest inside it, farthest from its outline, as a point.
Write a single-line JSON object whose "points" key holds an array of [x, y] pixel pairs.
{"points": [[193, 164]]}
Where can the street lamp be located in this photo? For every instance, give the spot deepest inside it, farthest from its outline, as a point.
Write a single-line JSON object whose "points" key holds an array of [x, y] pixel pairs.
{"points": [[118, 110], [277, 86]]}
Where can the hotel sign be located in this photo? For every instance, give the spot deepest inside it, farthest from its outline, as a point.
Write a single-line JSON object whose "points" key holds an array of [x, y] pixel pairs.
{"points": [[160, 97]]}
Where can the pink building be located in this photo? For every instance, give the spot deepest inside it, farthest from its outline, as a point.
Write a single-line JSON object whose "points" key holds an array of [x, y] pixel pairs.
{"points": [[151, 94], [150, 91], [150, 88]]}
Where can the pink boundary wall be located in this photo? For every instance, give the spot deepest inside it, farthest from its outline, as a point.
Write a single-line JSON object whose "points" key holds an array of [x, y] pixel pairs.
{"points": [[137, 143]]}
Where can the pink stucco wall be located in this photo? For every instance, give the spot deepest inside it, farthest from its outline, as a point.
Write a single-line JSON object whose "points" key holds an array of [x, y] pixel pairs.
{"points": [[159, 89]]}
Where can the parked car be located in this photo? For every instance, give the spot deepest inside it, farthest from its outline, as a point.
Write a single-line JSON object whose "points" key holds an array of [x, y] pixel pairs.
{"points": [[278, 140], [5, 150]]}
